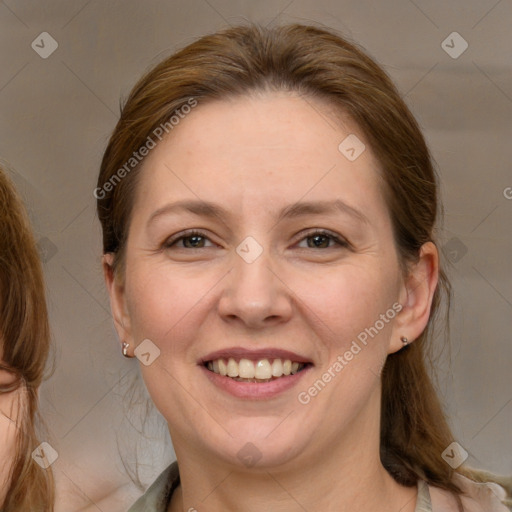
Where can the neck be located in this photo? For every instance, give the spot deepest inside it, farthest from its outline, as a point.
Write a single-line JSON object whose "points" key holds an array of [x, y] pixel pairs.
{"points": [[345, 477]]}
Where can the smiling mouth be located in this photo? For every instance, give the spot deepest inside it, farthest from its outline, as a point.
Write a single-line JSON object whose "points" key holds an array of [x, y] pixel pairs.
{"points": [[261, 370]]}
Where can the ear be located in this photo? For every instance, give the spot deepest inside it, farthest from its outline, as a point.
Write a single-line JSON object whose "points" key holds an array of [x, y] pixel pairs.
{"points": [[116, 290], [416, 295]]}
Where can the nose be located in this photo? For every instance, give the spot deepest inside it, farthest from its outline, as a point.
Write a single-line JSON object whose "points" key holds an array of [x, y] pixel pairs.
{"points": [[255, 295]]}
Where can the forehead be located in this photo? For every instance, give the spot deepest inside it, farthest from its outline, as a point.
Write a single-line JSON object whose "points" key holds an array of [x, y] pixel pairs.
{"points": [[271, 148]]}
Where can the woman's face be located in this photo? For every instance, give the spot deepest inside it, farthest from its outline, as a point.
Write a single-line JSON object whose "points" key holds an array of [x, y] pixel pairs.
{"points": [[9, 412], [258, 178]]}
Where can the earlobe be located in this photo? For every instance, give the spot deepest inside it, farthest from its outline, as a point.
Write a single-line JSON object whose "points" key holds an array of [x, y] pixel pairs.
{"points": [[416, 296], [116, 291]]}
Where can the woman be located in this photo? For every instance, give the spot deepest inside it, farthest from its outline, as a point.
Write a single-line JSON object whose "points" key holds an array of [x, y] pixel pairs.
{"points": [[24, 347], [268, 207]]}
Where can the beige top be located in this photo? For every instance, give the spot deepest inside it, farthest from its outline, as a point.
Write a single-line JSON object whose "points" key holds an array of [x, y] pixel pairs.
{"points": [[477, 498]]}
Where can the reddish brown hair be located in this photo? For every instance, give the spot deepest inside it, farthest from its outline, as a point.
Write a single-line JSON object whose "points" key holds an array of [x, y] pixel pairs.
{"points": [[316, 63], [25, 338]]}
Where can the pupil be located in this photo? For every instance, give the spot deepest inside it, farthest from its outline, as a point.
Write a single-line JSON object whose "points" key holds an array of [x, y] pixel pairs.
{"points": [[195, 239], [316, 238]]}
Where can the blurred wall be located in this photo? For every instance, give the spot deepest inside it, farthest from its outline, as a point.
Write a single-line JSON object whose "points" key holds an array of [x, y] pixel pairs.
{"points": [[59, 101]]}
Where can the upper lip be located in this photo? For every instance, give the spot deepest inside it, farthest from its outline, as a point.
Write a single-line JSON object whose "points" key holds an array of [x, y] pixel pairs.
{"points": [[254, 355]]}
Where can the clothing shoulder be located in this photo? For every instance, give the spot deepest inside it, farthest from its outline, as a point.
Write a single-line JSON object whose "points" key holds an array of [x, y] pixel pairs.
{"points": [[156, 498], [476, 497]]}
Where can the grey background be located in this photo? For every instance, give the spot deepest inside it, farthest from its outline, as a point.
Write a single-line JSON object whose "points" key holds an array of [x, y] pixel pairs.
{"points": [[58, 112]]}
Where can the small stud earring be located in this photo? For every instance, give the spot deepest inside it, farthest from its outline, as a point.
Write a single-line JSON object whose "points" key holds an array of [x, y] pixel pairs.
{"points": [[404, 340], [125, 349]]}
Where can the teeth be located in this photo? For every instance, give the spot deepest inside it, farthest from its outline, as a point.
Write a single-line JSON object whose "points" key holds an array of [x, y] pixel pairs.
{"points": [[246, 369], [232, 368], [262, 369], [277, 368]]}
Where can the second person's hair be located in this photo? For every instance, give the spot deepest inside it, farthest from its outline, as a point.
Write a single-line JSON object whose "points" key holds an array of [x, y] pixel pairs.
{"points": [[25, 338]]}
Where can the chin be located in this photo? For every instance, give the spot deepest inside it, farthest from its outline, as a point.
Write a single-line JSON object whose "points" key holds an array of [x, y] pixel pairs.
{"points": [[254, 447]]}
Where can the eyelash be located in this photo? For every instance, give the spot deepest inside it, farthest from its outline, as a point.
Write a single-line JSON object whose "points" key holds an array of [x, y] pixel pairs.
{"points": [[319, 232], [322, 232]]}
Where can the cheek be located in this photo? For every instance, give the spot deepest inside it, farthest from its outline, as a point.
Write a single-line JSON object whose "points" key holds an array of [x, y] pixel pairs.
{"points": [[348, 302], [155, 300], [166, 306], [8, 437], [356, 313]]}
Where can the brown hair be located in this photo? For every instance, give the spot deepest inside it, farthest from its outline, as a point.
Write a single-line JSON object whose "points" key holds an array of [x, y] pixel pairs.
{"points": [[320, 64], [25, 338]]}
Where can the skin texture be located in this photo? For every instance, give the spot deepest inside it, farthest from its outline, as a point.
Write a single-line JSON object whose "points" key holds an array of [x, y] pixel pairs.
{"points": [[255, 156], [9, 412]]}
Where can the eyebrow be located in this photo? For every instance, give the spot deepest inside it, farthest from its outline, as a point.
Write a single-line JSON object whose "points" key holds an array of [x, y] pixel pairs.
{"points": [[209, 209], [322, 207], [197, 207]]}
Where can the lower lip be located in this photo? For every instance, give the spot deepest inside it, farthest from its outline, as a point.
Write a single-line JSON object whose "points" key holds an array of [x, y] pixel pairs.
{"points": [[255, 390]]}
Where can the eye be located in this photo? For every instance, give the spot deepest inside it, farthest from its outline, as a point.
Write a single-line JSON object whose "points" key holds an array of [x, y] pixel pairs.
{"points": [[191, 239], [320, 239]]}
